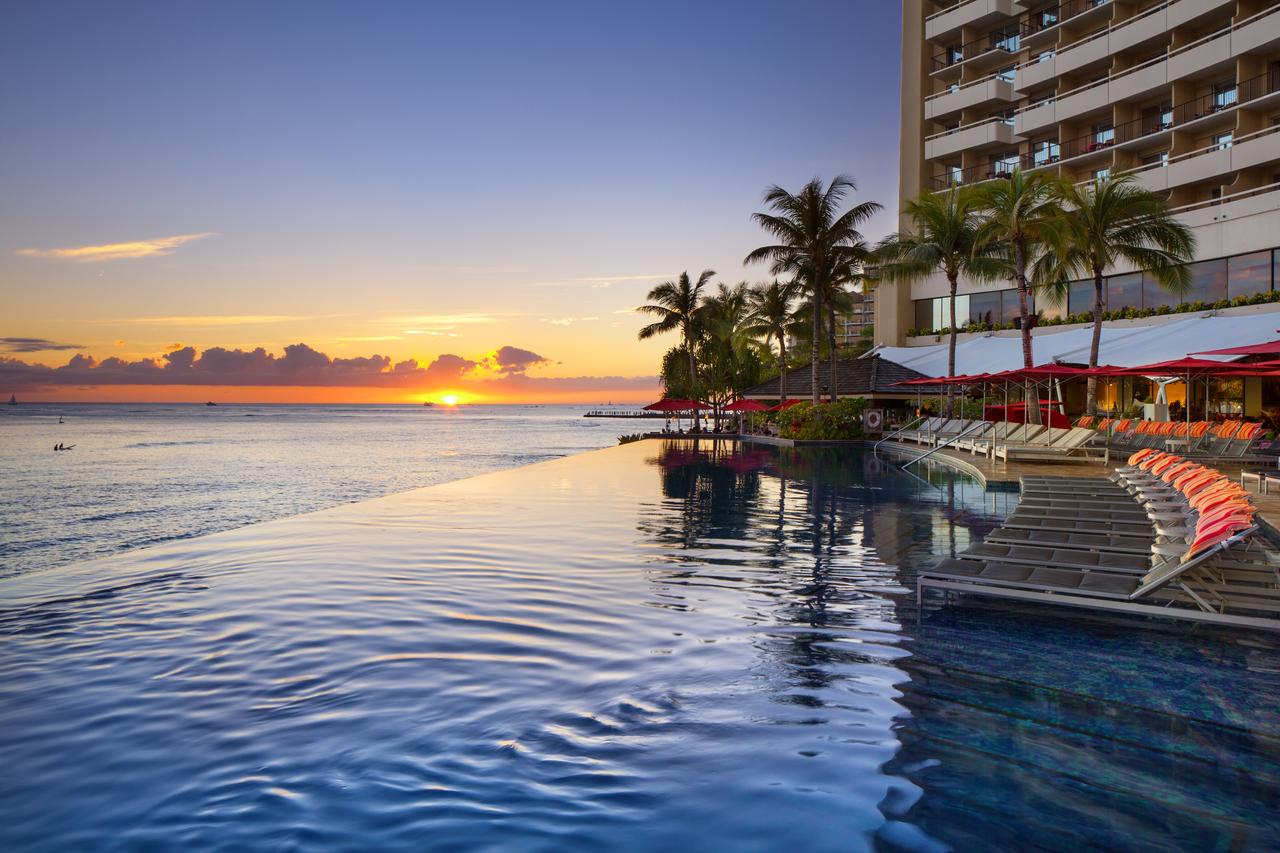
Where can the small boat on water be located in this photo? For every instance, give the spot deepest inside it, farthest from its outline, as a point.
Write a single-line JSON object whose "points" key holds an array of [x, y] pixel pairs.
{"points": [[13, 400], [428, 404], [211, 403]]}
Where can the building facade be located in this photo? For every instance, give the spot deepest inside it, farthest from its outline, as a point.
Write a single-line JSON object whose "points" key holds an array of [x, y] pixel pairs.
{"points": [[850, 325], [1183, 94]]}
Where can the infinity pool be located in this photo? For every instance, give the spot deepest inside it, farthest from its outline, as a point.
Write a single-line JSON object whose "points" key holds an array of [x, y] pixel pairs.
{"points": [[655, 647]]}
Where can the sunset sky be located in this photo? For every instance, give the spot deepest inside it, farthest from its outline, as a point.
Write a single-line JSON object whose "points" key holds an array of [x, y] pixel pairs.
{"points": [[475, 194]]}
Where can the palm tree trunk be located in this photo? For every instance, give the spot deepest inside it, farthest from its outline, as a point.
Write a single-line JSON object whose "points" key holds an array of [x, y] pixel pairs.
{"points": [[953, 282], [831, 346], [1091, 399], [817, 340], [1032, 400], [693, 383], [782, 367]]}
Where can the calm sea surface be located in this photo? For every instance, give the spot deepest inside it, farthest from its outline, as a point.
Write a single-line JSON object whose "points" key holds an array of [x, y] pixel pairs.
{"points": [[143, 474], [661, 646]]}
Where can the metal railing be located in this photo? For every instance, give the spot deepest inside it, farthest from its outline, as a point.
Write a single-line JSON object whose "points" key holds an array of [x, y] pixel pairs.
{"points": [[898, 431], [964, 432], [1047, 19], [1208, 104]]}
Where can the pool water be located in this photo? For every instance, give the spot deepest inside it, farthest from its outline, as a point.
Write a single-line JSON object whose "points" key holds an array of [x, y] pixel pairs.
{"points": [[659, 646]]}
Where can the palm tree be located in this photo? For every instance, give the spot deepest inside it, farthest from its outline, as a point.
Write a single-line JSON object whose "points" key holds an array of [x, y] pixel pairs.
{"points": [[848, 270], [728, 351], [676, 304], [812, 239], [1023, 215], [1110, 221], [944, 239], [771, 319], [1023, 219]]}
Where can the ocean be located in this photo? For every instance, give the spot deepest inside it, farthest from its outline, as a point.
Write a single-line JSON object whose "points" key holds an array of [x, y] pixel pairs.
{"points": [[140, 475]]}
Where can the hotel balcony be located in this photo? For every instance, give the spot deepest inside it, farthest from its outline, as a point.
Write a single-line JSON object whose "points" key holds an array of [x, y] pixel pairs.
{"points": [[985, 54], [1201, 112], [1258, 33], [979, 93], [1212, 162], [1240, 222], [996, 131], [1095, 50], [1041, 28], [968, 13]]}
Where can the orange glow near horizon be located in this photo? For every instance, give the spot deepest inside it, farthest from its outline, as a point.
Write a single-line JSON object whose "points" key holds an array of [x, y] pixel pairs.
{"points": [[315, 395]]}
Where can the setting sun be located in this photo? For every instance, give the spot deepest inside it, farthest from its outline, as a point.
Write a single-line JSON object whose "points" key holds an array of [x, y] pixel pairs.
{"points": [[449, 399]]}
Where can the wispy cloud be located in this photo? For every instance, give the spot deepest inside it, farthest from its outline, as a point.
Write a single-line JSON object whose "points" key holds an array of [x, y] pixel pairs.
{"points": [[567, 321], [372, 338], [34, 345], [438, 320], [213, 319], [116, 251], [603, 281]]}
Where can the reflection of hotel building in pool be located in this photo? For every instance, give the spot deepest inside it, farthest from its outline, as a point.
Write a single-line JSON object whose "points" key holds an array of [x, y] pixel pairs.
{"points": [[1184, 94]]}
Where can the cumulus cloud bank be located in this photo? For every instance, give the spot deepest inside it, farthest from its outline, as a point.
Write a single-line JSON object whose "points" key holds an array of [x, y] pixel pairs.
{"points": [[300, 365], [116, 251]]}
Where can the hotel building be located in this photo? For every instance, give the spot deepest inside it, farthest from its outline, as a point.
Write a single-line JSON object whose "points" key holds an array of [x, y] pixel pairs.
{"points": [[1183, 94]]}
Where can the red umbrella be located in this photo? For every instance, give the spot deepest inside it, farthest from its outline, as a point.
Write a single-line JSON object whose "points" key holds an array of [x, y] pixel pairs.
{"points": [[1270, 348], [669, 405], [786, 404], [745, 406]]}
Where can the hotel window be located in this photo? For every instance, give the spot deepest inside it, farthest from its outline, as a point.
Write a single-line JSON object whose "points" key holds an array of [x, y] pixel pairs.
{"points": [[1124, 291], [1155, 296], [1248, 274], [1046, 56], [1157, 118], [1080, 297], [1007, 74], [1104, 134], [1208, 281], [1224, 94], [924, 314], [1101, 174], [953, 88], [957, 174], [1003, 165], [1009, 39], [1048, 310], [955, 53], [1044, 151], [942, 311], [1222, 141], [984, 307], [1159, 158]]}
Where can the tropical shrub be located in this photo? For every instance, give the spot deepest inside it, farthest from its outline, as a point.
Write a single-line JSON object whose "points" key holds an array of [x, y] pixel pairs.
{"points": [[838, 421]]}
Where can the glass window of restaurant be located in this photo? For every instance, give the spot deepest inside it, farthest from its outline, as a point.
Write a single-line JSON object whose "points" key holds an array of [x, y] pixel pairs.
{"points": [[1248, 275], [1049, 310], [924, 314], [1124, 291], [1208, 281], [984, 307], [1080, 297], [1155, 296]]}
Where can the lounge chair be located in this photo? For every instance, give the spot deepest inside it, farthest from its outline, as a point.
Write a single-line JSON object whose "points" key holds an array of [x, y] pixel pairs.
{"points": [[1194, 582], [1080, 541], [1071, 445]]}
